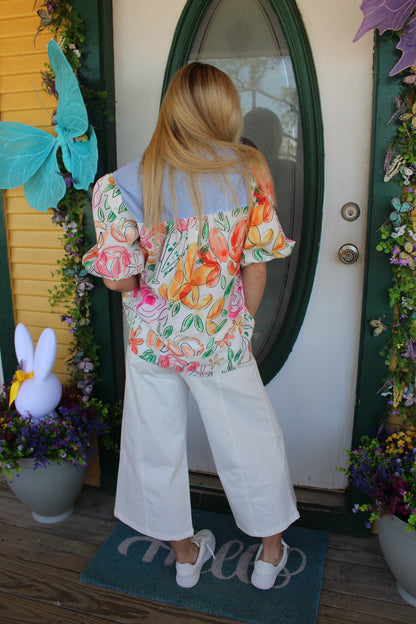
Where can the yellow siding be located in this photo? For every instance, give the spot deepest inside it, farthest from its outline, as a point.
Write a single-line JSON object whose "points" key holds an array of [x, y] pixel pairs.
{"points": [[33, 240]]}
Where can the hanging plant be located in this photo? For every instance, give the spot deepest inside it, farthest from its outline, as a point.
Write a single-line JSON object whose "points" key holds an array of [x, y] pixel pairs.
{"points": [[398, 233], [73, 287]]}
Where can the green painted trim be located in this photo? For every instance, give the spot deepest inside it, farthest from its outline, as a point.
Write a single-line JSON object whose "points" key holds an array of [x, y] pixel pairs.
{"points": [[8, 357], [98, 73], [313, 143], [378, 278]]}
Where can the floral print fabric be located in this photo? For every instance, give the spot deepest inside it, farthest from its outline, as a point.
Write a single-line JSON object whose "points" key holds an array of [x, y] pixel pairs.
{"points": [[188, 313]]}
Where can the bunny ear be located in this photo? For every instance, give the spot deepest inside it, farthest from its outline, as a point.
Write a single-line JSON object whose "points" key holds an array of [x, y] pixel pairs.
{"points": [[23, 345], [45, 354]]}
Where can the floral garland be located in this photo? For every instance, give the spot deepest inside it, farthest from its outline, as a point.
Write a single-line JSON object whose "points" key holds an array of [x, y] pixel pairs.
{"points": [[398, 233], [72, 291], [398, 240]]}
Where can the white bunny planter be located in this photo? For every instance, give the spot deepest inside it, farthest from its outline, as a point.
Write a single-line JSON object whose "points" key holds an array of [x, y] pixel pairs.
{"points": [[40, 392]]}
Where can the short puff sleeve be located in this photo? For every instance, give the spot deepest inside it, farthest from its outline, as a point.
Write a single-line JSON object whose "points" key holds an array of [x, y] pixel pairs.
{"points": [[265, 238], [118, 253]]}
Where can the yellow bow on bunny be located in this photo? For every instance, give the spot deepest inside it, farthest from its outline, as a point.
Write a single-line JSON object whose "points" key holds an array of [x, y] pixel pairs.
{"points": [[18, 378]]}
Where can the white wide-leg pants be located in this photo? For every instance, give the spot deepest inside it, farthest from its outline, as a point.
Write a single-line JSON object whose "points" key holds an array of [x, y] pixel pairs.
{"points": [[245, 439]]}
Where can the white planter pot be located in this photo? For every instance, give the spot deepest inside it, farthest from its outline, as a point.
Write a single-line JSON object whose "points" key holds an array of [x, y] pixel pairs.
{"points": [[399, 550], [50, 492]]}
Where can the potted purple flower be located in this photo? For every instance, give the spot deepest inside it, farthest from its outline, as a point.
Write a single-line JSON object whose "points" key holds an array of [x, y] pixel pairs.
{"points": [[45, 460], [383, 467]]}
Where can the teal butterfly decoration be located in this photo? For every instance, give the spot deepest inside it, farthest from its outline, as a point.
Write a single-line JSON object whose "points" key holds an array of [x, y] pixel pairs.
{"points": [[28, 155], [400, 209]]}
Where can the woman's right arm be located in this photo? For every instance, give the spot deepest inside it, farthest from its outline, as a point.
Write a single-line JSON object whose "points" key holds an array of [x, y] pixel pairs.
{"points": [[123, 285]]}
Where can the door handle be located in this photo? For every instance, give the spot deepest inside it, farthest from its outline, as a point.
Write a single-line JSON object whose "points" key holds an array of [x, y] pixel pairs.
{"points": [[348, 253]]}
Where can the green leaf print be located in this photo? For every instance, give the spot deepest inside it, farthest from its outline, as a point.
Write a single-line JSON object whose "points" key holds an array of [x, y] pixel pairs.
{"points": [[258, 255], [122, 208], [230, 354], [220, 326], [111, 216], [176, 308], [229, 288], [100, 214], [205, 231], [210, 344], [209, 352], [198, 323], [223, 282], [187, 322], [148, 356], [222, 222], [237, 355], [168, 331]]}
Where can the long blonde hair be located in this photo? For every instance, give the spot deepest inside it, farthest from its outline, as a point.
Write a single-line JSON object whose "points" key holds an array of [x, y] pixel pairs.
{"points": [[199, 123]]}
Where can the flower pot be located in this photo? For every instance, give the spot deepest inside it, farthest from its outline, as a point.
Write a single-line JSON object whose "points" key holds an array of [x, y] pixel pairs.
{"points": [[399, 550], [49, 492]]}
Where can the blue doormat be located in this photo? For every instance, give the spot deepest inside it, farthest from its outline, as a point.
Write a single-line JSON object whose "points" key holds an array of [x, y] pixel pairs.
{"points": [[138, 565]]}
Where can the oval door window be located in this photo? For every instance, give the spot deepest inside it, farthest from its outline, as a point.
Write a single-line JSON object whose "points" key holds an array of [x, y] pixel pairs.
{"points": [[275, 80]]}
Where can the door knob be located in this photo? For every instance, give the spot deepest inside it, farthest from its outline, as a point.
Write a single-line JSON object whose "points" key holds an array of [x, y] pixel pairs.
{"points": [[348, 253]]}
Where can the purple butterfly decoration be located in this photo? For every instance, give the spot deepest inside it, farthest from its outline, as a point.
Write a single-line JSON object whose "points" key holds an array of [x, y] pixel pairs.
{"points": [[407, 45], [392, 15]]}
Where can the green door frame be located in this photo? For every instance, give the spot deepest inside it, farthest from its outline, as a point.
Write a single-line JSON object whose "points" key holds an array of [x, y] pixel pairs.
{"points": [[97, 72], [377, 279], [8, 357]]}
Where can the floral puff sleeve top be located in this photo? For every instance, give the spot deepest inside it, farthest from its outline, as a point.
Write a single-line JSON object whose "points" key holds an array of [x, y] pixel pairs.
{"points": [[188, 313]]}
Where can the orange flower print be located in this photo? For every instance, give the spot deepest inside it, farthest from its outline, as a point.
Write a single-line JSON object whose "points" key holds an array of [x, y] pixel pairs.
{"points": [[218, 244], [226, 341], [262, 213], [184, 286], [237, 325], [125, 231], [215, 361], [214, 312], [238, 234], [153, 340], [188, 347], [134, 341]]}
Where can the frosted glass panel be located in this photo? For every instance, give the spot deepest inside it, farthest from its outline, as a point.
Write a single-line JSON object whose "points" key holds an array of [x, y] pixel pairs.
{"points": [[244, 39]]}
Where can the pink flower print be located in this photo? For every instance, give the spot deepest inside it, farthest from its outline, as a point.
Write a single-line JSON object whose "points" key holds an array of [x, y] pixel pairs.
{"points": [[146, 238], [192, 367], [152, 307], [173, 362], [184, 225], [112, 262], [237, 298]]}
